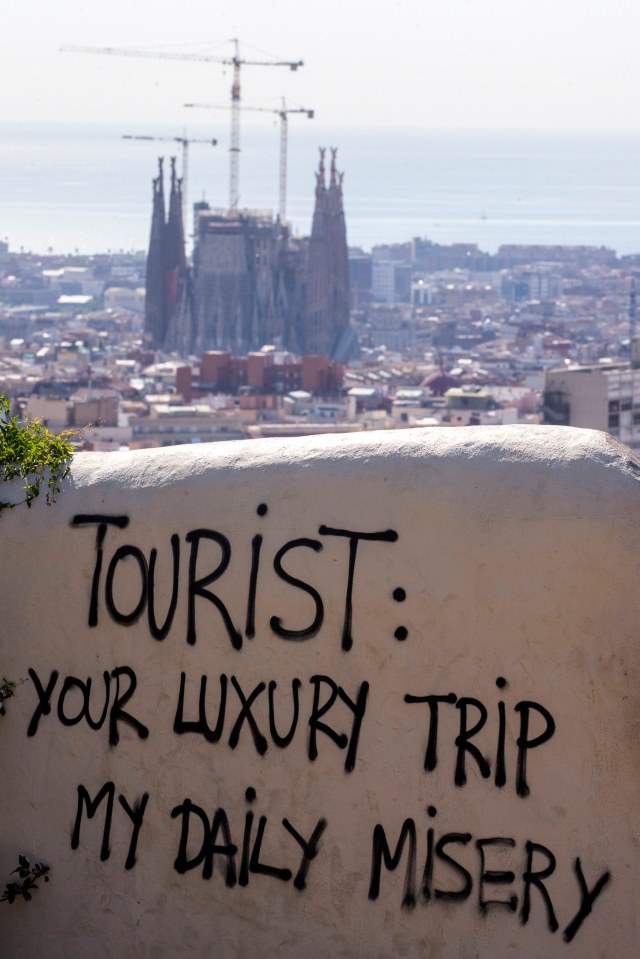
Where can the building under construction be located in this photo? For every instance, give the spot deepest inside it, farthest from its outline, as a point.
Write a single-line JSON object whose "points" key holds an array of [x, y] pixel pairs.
{"points": [[252, 282]]}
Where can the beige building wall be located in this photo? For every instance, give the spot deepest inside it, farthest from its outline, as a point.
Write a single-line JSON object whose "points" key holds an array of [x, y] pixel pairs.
{"points": [[344, 696], [597, 398], [586, 391], [119, 298], [49, 410]]}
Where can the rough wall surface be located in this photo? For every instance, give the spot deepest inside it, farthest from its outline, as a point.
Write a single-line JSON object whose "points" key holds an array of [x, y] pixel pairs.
{"points": [[346, 697]]}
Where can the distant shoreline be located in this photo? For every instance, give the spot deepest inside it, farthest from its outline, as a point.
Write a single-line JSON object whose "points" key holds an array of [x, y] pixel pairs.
{"points": [[69, 187]]}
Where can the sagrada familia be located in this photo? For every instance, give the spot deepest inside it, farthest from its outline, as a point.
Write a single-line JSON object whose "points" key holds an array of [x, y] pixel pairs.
{"points": [[251, 282]]}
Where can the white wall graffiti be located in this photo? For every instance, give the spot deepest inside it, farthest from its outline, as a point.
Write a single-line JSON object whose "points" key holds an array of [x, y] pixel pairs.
{"points": [[344, 696]]}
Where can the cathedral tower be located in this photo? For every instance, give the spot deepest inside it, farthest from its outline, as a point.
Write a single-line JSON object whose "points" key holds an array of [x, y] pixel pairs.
{"points": [[327, 308], [167, 319], [154, 308]]}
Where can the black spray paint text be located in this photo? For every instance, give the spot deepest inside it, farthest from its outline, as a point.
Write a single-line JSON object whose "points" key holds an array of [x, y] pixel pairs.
{"points": [[496, 873], [206, 840], [535, 724], [225, 709], [456, 863], [213, 839], [209, 559], [202, 569], [331, 712], [536, 727]]}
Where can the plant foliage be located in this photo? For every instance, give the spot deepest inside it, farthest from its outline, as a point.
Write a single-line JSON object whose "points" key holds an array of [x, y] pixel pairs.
{"points": [[7, 690], [28, 451], [29, 874]]}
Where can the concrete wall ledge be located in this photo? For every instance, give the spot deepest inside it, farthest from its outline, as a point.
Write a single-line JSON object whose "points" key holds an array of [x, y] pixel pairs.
{"points": [[363, 695]]}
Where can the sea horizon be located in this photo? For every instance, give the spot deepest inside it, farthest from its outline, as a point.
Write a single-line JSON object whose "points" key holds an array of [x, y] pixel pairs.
{"points": [[67, 188]]}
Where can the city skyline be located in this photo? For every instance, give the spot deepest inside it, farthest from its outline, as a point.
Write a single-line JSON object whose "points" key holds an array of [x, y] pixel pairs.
{"points": [[459, 65]]}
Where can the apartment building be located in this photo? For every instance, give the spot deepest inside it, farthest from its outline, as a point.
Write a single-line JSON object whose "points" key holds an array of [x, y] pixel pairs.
{"points": [[601, 397]]}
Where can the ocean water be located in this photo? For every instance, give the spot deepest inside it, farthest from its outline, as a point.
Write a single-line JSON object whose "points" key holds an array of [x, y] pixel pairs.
{"points": [[65, 188]]}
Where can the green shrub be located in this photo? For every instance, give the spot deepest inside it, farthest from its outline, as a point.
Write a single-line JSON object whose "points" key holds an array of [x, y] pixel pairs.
{"points": [[28, 451]]}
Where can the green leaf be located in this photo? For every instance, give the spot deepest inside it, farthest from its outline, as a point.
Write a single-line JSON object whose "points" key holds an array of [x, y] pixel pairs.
{"points": [[29, 451]]}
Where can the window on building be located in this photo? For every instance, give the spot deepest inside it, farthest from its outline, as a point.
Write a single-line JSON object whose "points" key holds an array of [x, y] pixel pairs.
{"points": [[614, 420]]}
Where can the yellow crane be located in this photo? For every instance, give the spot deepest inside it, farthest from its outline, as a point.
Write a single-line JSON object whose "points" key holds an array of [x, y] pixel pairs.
{"points": [[236, 61], [283, 112]]}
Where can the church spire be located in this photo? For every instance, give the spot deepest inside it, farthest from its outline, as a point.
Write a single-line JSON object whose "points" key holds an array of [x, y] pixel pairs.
{"points": [[175, 225], [321, 185], [327, 312], [167, 301], [334, 151], [154, 310]]}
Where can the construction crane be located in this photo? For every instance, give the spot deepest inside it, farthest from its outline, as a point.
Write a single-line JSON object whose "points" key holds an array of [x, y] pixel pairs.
{"points": [[235, 61], [283, 113], [184, 142]]}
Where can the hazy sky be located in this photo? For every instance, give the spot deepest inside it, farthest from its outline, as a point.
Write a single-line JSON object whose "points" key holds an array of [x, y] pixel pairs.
{"points": [[453, 63]]}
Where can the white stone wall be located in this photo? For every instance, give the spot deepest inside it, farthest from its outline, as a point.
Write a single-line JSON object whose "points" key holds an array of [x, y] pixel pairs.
{"points": [[486, 575]]}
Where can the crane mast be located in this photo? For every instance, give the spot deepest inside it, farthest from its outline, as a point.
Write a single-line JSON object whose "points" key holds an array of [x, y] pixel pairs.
{"points": [[284, 140], [234, 149], [282, 193], [236, 62], [283, 113]]}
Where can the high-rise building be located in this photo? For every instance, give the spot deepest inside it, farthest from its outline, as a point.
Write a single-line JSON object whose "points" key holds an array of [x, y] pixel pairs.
{"points": [[602, 397]]}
